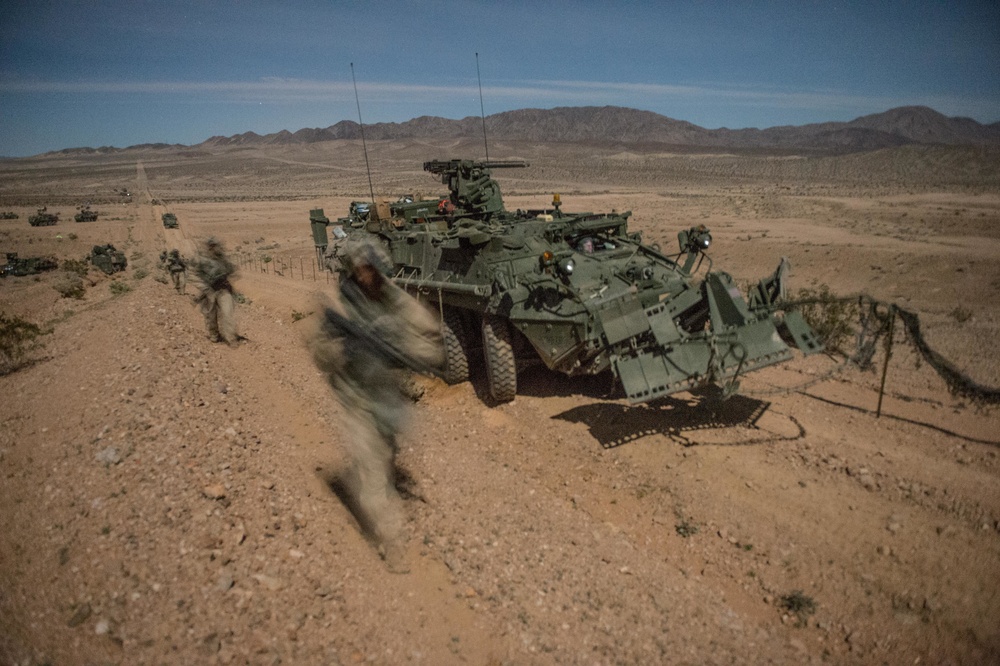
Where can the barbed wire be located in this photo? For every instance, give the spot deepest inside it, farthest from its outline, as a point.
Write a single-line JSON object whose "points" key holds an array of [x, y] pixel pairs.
{"points": [[876, 319]]}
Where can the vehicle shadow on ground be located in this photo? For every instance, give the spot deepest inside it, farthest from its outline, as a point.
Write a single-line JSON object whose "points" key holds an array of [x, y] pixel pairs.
{"points": [[540, 382], [613, 424]]}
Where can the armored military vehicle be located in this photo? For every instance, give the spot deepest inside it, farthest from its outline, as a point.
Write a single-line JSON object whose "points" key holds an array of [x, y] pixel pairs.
{"points": [[577, 291], [169, 220], [9, 215], [108, 259], [27, 266], [86, 215], [43, 218]]}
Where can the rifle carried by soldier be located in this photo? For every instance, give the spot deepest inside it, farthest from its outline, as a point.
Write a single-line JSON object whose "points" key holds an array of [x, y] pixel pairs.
{"points": [[365, 339]]}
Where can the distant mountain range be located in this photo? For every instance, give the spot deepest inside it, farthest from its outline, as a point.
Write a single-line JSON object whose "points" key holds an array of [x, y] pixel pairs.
{"points": [[895, 127]]}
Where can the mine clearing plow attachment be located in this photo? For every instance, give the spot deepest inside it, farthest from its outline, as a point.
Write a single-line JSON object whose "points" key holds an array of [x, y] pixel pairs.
{"points": [[691, 341]]}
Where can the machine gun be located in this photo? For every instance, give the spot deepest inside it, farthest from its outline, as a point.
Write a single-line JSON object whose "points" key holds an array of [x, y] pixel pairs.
{"points": [[474, 193], [367, 339]]}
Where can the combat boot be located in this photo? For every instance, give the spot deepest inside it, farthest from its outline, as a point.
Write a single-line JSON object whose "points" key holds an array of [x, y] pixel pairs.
{"points": [[394, 555]]}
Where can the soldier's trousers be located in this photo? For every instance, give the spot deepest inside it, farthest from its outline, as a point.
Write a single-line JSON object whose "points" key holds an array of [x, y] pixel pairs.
{"points": [[371, 478], [218, 307], [180, 280]]}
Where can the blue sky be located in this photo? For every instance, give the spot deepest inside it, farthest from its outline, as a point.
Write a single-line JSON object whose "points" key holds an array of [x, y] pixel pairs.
{"points": [[122, 72]]}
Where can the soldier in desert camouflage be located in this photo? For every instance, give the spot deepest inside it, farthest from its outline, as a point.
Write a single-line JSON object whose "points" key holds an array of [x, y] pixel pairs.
{"points": [[178, 270], [367, 383], [214, 270]]}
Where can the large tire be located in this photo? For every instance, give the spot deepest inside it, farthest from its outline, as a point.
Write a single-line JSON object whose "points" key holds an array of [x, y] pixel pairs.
{"points": [[456, 347], [501, 370]]}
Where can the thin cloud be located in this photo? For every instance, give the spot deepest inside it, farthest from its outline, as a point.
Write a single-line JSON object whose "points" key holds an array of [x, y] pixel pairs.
{"points": [[533, 93]]}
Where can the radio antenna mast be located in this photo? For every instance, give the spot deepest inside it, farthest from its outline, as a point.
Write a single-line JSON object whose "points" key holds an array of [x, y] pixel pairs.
{"points": [[482, 111], [364, 145]]}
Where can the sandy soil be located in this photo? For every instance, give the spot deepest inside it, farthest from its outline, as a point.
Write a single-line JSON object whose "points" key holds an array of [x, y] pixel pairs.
{"points": [[167, 500]]}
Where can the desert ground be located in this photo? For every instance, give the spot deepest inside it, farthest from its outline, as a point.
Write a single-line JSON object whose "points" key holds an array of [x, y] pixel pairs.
{"points": [[167, 500]]}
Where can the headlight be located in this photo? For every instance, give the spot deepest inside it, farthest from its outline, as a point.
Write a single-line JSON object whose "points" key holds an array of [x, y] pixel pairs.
{"points": [[566, 266]]}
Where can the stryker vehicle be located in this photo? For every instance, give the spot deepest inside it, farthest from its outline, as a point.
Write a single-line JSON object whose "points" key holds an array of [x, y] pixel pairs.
{"points": [[169, 220], [43, 218], [9, 215], [86, 215], [28, 266], [578, 291], [108, 259]]}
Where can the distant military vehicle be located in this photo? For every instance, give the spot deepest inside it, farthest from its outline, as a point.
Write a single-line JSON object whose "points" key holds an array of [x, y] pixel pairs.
{"points": [[577, 291], [108, 259], [43, 218], [9, 215], [169, 220], [86, 215], [27, 266]]}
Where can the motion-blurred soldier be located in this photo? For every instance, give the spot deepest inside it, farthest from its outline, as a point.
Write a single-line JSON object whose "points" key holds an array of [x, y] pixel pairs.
{"points": [[364, 357], [178, 270], [216, 297]]}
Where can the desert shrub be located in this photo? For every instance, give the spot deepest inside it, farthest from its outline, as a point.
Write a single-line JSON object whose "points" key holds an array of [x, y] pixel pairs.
{"points": [[240, 298], [798, 604], [686, 528], [17, 338], [77, 266], [296, 315], [135, 256], [832, 317], [161, 278], [118, 288], [140, 273], [266, 259], [69, 285], [72, 236]]}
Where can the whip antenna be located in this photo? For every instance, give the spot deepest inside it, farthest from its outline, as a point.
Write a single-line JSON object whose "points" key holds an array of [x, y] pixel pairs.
{"points": [[482, 111], [363, 144]]}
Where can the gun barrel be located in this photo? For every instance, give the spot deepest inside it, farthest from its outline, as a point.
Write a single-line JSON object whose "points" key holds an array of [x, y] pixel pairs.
{"points": [[442, 166], [361, 335]]}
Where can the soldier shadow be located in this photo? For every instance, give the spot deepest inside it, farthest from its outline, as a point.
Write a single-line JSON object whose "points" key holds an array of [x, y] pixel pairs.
{"points": [[613, 424]]}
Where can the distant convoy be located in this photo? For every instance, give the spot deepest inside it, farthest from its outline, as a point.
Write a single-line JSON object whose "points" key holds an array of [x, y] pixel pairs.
{"points": [[578, 292], [43, 218], [107, 258], [17, 266], [85, 214]]}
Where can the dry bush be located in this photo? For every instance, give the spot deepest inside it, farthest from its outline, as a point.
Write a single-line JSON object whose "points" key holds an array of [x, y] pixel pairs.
{"points": [[832, 317], [69, 285], [17, 338], [77, 266]]}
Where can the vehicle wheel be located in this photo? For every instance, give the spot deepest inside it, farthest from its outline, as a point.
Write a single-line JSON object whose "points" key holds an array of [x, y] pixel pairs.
{"points": [[456, 347], [501, 370]]}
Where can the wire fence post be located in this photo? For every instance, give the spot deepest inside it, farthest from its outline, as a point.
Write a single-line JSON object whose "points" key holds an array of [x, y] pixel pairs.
{"points": [[888, 355]]}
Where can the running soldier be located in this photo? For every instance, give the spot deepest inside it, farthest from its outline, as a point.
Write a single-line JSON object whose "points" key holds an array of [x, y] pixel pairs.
{"points": [[216, 297], [364, 354], [178, 270]]}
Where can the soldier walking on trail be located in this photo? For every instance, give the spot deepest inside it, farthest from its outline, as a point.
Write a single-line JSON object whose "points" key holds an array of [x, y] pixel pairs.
{"points": [[216, 297], [364, 353], [178, 270]]}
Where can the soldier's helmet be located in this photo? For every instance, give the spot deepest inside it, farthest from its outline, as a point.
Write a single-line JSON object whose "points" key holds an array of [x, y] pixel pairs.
{"points": [[213, 245], [355, 254]]}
